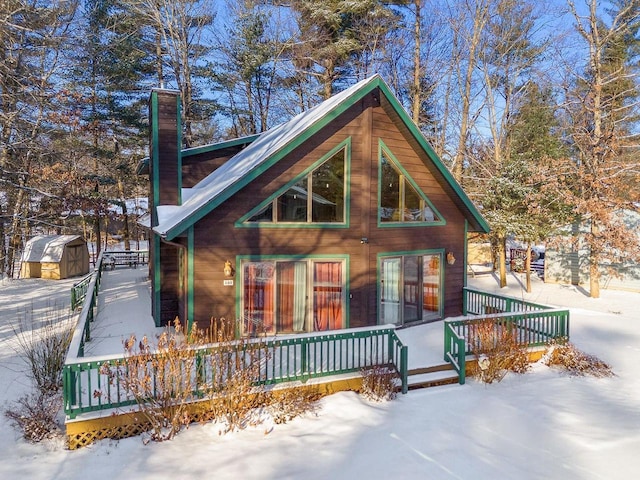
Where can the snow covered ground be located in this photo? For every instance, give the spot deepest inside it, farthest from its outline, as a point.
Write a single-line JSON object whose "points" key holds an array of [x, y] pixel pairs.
{"points": [[543, 424]]}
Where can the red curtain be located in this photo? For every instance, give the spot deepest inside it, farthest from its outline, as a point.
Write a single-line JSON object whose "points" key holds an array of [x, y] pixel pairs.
{"points": [[327, 295], [258, 298], [285, 297]]}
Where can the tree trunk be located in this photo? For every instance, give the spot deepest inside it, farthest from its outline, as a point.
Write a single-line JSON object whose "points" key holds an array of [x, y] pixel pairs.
{"points": [[502, 260], [527, 268], [125, 216], [594, 263], [415, 108]]}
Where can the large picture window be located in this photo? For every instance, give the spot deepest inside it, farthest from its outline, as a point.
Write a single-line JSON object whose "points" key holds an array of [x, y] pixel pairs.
{"points": [[318, 196], [292, 296], [410, 288], [400, 200]]}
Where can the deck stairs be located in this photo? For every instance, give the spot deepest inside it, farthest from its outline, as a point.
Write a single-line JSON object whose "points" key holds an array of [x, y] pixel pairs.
{"points": [[434, 376]]}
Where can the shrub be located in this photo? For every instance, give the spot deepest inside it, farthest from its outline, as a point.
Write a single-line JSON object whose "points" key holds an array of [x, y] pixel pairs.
{"points": [[36, 416], [233, 393], [162, 380], [496, 349], [43, 341], [285, 405], [568, 357], [182, 369], [379, 382]]}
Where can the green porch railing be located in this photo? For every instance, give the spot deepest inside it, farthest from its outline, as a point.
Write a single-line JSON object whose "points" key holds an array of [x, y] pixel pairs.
{"points": [[477, 302], [91, 385], [534, 324], [85, 293], [79, 291]]}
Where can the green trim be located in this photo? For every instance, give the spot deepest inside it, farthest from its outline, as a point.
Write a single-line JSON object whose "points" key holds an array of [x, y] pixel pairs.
{"points": [[404, 253], [323, 256], [188, 152], [275, 158], [190, 277], [441, 221], [346, 145], [156, 280], [155, 146], [417, 134], [344, 105]]}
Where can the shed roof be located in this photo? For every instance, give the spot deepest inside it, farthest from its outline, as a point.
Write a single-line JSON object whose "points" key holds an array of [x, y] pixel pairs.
{"points": [[47, 248], [274, 144]]}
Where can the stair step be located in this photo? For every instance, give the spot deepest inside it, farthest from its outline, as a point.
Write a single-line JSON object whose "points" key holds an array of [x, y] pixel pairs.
{"points": [[444, 367], [434, 382], [435, 376]]}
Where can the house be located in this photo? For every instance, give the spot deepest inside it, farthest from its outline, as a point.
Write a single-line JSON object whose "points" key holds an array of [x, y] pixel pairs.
{"points": [[54, 257], [567, 258], [342, 217]]}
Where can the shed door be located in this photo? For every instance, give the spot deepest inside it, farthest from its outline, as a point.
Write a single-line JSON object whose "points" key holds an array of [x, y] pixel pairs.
{"points": [[74, 260]]}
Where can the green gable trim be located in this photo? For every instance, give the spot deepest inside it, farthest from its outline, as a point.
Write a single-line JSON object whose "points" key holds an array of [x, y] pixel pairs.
{"points": [[243, 222], [430, 251], [358, 95], [156, 279], [383, 148], [155, 145], [188, 152], [417, 134], [258, 258]]}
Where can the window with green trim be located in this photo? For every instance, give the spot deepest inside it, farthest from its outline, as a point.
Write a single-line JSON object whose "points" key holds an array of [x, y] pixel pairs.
{"points": [[292, 295], [400, 199], [318, 196]]}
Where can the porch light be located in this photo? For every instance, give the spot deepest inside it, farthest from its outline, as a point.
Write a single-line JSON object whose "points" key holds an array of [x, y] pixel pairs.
{"points": [[450, 258], [228, 270]]}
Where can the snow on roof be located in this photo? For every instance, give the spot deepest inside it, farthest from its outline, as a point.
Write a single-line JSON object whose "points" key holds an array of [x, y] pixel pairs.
{"points": [[46, 248], [251, 158]]}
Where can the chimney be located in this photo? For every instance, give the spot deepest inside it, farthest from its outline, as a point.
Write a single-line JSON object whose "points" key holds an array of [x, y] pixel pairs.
{"points": [[165, 163]]}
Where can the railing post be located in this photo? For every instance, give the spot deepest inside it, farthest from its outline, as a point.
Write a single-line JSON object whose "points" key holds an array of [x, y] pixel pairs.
{"points": [[462, 361], [447, 340], [304, 364], [404, 368], [69, 390], [465, 296]]}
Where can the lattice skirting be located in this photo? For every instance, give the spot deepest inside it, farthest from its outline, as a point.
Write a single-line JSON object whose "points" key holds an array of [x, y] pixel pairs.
{"points": [[82, 432], [84, 438]]}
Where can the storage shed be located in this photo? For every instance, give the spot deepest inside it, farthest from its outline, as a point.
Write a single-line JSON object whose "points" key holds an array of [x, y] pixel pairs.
{"points": [[55, 257]]}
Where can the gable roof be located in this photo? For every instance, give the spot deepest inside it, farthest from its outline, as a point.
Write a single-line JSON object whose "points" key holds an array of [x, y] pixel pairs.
{"points": [[274, 144], [46, 248]]}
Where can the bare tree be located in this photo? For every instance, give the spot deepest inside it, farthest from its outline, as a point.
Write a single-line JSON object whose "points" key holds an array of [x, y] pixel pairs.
{"points": [[179, 29], [602, 110]]}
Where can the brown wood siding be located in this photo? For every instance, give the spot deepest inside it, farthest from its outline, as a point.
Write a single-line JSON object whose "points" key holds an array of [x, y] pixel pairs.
{"points": [[217, 240], [168, 148], [197, 167], [169, 281]]}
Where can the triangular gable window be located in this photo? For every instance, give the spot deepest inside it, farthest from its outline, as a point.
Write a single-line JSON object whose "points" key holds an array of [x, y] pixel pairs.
{"points": [[318, 196], [400, 200]]}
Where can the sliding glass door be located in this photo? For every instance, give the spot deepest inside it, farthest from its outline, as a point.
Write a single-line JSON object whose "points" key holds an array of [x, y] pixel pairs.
{"points": [[410, 288]]}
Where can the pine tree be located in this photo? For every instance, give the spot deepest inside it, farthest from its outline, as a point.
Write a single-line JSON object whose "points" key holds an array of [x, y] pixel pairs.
{"points": [[33, 36]]}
